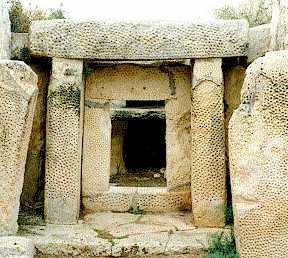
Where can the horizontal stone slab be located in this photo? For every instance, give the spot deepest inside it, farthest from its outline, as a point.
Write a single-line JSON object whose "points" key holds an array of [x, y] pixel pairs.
{"points": [[90, 240], [138, 40], [121, 199], [137, 113]]}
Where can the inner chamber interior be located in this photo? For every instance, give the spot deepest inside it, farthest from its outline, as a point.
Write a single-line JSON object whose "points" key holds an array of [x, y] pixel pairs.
{"points": [[138, 153]]}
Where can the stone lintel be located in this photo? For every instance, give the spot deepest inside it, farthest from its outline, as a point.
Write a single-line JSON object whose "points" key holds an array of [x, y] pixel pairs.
{"points": [[138, 40], [134, 113]]}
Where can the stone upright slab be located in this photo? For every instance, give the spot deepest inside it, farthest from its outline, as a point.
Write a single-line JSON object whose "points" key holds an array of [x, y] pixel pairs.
{"points": [[18, 91], [208, 171], [5, 33], [258, 151], [64, 142]]}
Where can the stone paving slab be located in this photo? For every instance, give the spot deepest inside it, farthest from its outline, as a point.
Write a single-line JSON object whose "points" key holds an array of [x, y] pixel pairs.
{"points": [[121, 235]]}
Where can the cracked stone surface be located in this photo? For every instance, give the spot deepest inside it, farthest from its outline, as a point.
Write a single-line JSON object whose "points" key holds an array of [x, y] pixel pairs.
{"points": [[111, 234]]}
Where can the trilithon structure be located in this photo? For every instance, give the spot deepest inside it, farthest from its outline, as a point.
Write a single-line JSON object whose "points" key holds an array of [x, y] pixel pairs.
{"points": [[134, 117]]}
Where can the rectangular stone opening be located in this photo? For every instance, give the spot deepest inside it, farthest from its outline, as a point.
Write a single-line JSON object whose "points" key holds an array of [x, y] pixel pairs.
{"points": [[138, 153]]}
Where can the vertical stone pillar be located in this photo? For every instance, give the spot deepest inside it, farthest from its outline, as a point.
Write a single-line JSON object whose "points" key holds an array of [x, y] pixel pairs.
{"points": [[5, 32], [18, 92], [64, 142], [96, 148], [208, 178]]}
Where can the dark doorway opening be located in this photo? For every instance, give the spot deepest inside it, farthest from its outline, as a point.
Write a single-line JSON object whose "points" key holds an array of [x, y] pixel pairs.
{"points": [[138, 153], [144, 145]]}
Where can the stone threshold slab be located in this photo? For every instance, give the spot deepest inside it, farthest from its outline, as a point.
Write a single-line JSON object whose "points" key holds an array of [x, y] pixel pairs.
{"points": [[122, 199], [82, 241]]}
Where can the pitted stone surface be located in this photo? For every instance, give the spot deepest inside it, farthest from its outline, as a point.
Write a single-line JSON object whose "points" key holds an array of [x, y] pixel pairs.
{"points": [[18, 91], [64, 142], [258, 147], [134, 82], [138, 40], [5, 32], [208, 171], [153, 199]]}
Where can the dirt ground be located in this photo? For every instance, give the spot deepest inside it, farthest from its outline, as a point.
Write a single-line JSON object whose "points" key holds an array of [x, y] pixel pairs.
{"points": [[140, 178]]}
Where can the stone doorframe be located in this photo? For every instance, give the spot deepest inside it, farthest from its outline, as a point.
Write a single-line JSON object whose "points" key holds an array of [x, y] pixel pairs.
{"points": [[103, 91], [64, 147], [70, 42]]}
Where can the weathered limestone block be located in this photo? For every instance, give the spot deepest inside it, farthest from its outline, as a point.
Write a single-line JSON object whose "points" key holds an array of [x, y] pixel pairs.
{"points": [[128, 82], [16, 247], [64, 142], [208, 170], [178, 132], [5, 31], [135, 40], [233, 81], [122, 199], [18, 91], [259, 41], [170, 84], [258, 146], [33, 186], [117, 141], [96, 149], [279, 25]]}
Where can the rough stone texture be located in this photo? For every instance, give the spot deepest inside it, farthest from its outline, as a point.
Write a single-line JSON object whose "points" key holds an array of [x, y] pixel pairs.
{"points": [[135, 40], [16, 247], [130, 82], [279, 25], [208, 178], [258, 146], [64, 142], [5, 31], [137, 113], [117, 164], [18, 91], [33, 186], [124, 224], [178, 140], [123, 235], [96, 151], [153, 199], [233, 81], [19, 45], [259, 41]]}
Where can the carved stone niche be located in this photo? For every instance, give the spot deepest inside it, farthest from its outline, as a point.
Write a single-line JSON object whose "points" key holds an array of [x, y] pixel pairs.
{"points": [[137, 130]]}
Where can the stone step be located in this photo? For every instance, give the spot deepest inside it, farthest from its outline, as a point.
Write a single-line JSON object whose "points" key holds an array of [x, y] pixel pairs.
{"points": [[121, 199]]}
